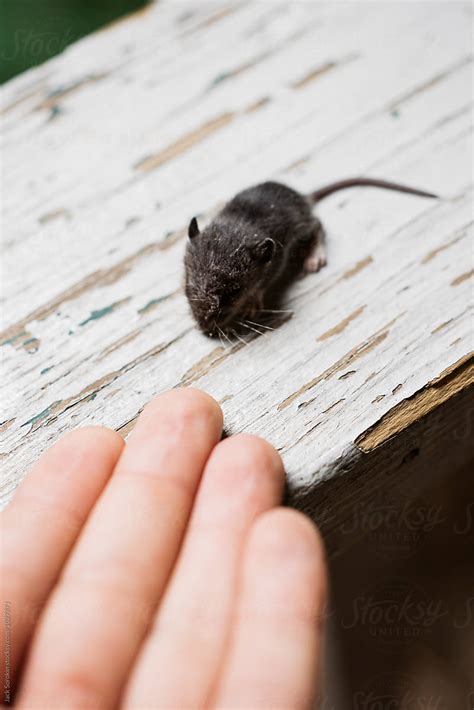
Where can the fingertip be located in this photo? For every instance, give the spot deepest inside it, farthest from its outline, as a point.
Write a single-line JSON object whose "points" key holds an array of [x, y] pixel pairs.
{"points": [[290, 537], [253, 451], [295, 532], [186, 405]]}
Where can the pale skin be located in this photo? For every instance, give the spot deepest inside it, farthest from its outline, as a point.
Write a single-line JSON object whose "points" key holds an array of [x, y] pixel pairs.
{"points": [[162, 573]]}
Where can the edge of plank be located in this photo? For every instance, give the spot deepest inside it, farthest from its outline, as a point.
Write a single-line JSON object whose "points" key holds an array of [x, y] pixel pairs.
{"points": [[451, 381]]}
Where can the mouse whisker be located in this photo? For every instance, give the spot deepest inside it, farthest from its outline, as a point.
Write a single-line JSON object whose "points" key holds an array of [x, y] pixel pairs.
{"points": [[225, 336], [220, 339], [260, 325], [250, 328], [234, 332], [274, 310], [244, 325], [222, 343]]}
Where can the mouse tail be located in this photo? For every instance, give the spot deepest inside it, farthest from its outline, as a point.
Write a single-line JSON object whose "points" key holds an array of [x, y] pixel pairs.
{"points": [[367, 182]]}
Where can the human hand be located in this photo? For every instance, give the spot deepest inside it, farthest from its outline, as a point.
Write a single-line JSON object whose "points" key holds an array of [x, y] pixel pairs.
{"points": [[160, 574]]}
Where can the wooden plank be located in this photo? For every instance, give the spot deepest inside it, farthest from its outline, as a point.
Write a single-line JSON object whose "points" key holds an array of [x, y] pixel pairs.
{"points": [[111, 147]]}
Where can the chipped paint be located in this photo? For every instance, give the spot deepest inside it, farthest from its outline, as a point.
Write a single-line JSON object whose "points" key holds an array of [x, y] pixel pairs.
{"points": [[31, 345], [325, 411], [131, 221], [463, 277], [434, 252], [313, 74], [14, 337], [188, 141], [362, 264], [225, 398], [23, 98], [354, 354], [297, 164], [451, 381], [42, 415], [61, 92], [240, 69], [54, 112], [7, 424], [347, 374], [86, 394], [22, 341], [257, 105], [203, 365], [101, 312], [54, 214], [441, 326], [102, 277], [342, 325], [154, 302]]}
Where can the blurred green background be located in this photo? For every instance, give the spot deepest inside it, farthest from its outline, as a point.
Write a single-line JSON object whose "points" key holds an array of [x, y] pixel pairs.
{"points": [[32, 31]]}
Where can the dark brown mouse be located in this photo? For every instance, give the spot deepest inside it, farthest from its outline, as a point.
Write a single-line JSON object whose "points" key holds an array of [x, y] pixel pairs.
{"points": [[239, 265]]}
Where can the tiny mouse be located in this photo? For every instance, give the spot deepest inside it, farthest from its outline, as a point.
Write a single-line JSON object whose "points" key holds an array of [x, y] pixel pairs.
{"points": [[239, 265]]}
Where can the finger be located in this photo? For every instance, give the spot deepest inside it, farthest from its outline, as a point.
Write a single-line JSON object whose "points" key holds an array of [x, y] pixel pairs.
{"points": [[41, 524], [101, 609], [273, 658], [243, 477]]}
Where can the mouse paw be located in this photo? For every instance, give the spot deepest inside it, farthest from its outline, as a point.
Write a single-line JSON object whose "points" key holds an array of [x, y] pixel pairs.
{"points": [[314, 263]]}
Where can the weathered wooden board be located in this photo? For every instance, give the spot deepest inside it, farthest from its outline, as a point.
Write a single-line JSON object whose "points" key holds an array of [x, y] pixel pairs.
{"points": [[110, 148]]}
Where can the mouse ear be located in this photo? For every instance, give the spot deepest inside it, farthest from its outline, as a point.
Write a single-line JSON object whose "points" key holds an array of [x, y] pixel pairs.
{"points": [[193, 229], [265, 250]]}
